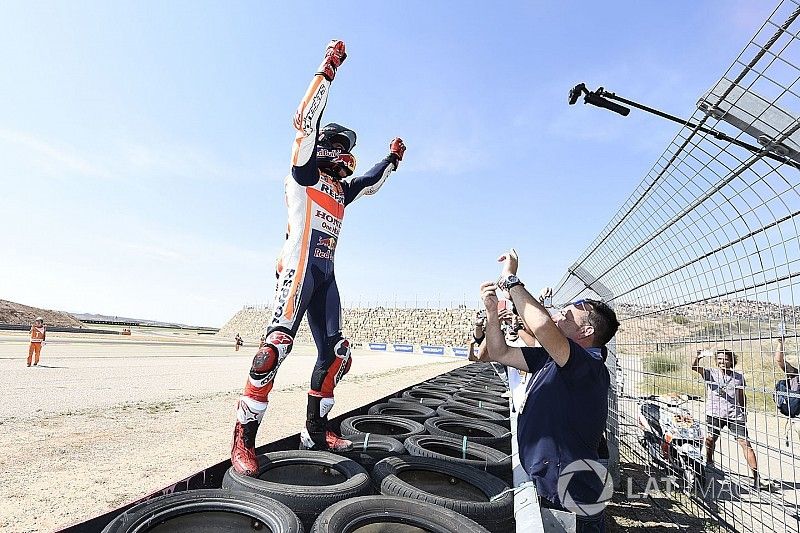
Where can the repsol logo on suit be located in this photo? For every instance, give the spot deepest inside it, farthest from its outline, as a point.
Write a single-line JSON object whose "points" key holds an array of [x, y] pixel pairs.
{"points": [[333, 192], [283, 295]]}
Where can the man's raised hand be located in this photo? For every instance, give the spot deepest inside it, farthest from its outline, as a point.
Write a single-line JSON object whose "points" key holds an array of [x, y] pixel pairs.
{"points": [[510, 262], [489, 296]]}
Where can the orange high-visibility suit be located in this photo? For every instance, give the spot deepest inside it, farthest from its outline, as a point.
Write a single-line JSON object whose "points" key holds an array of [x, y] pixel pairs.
{"points": [[35, 349]]}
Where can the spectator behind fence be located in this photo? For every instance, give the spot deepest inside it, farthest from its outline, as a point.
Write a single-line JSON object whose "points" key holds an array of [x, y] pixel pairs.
{"points": [[726, 406], [238, 341], [789, 386], [564, 414]]}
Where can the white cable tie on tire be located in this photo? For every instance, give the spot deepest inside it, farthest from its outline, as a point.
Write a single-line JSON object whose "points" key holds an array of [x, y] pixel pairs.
{"points": [[366, 440], [464, 448], [512, 489]]}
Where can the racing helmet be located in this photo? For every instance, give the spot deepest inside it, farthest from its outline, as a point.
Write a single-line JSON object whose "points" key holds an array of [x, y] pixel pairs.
{"points": [[333, 160]]}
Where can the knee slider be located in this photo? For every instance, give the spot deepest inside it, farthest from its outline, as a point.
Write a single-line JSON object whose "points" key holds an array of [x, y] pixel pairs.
{"points": [[269, 357], [265, 360]]}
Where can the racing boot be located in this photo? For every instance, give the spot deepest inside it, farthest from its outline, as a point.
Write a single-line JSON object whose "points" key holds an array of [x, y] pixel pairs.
{"points": [[312, 437], [334, 56], [337, 443], [243, 451]]}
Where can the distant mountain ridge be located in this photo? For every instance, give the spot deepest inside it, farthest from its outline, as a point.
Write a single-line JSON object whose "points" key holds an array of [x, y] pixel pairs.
{"points": [[19, 314], [93, 318]]}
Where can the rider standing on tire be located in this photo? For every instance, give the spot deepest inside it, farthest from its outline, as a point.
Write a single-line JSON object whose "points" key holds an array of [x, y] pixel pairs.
{"points": [[317, 191]]}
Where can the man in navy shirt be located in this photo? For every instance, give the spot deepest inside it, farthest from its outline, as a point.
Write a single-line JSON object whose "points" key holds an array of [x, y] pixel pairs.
{"points": [[564, 415]]}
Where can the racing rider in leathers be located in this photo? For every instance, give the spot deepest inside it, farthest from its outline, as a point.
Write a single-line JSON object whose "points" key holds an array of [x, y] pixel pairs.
{"points": [[317, 192]]}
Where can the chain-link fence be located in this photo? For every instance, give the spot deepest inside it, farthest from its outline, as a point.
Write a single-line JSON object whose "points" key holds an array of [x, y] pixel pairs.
{"points": [[704, 256]]}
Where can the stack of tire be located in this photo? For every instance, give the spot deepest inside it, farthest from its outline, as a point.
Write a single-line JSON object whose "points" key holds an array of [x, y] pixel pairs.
{"points": [[435, 458]]}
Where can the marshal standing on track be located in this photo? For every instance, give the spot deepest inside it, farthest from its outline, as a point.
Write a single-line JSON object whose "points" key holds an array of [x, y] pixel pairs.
{"points": [[317, 191]]}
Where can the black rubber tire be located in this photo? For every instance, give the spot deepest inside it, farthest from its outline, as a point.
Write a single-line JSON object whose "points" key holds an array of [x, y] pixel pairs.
{"points": [[417, 395], [480, 404], [447, 381], [485, 386], [480, 431], [206, 511], [450, 449], [461, 488], [298, 492], [490, 397], [411, 411], [356, 513], [437, 387], [433, 403], [391, 426], [462, 410], [378, 447]]}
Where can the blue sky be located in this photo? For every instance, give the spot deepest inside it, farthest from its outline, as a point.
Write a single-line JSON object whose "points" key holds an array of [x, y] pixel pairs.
{"points": [[143, 145]]}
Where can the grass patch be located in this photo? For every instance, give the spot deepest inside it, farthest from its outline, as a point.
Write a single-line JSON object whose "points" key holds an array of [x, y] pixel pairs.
{"points": [[680, 319], [661, 364]]}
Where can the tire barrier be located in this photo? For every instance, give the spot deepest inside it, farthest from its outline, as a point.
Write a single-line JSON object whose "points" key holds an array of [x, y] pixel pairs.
{"points": [[461, 488], [422, 394], [437, 387], [367, 510], [482, 404], [391, 426], [306, 481], [461, 451], [369, 448], [479, 431], [462, 410], [433, 403], [482, 396], [410, 411], [447, 381], [207, 511]]}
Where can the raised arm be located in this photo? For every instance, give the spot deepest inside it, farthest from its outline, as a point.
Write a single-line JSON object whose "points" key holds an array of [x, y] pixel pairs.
{"points": [[695, 362], [374, 179], [781, 361], [309, 113], [536, 318], [495, 348]]}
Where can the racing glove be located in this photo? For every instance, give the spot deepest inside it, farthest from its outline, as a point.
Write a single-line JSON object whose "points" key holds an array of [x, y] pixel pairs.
{"points": [[334, 56], [397, 148]]}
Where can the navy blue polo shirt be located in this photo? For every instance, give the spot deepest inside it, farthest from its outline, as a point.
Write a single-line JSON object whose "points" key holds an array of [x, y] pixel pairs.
{"points": [[563, 419]]}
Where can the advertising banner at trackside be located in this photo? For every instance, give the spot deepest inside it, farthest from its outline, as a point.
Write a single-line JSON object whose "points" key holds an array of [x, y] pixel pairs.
{"points": [[460, 352], [433, 350], [403, 347], [379, 346]]}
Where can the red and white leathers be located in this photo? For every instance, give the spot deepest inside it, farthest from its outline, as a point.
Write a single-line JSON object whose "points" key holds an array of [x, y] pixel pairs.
{"points": [[306, 283]]}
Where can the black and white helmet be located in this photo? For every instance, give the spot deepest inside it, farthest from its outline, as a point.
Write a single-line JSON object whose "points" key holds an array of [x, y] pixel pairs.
{"points": [[333, 132], [333, 161]]}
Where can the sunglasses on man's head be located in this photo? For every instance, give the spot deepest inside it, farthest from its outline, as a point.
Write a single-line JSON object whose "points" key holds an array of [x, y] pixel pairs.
{"points": [[582, 305]]}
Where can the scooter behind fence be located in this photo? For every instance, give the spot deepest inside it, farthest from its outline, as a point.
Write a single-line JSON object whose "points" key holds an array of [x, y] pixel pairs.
{"points": [[672, 438]]}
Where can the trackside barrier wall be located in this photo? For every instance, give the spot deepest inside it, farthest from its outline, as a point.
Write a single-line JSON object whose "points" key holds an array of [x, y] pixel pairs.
{"points": [[705, 255]]}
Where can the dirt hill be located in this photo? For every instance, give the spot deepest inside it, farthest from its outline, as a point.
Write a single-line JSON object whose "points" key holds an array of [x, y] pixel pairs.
{"points": [[14, 313]]}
